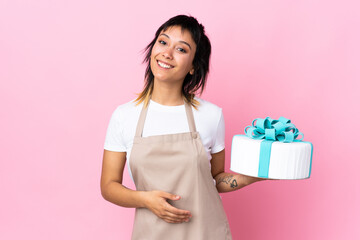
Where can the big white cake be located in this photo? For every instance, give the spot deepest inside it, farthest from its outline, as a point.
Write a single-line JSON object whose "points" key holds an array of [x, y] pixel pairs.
{"points": [[271, 159]]}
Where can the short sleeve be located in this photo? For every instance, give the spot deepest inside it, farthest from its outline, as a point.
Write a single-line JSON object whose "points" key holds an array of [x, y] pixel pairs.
{"points": [[114, 140], [219, 138]]}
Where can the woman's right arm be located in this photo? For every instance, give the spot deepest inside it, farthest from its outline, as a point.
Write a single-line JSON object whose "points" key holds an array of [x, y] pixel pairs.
{"points": [[113, 191], [111, 186]]}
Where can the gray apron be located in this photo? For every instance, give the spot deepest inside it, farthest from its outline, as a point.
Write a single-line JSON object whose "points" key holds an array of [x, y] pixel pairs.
{"points": [[177, 164]]}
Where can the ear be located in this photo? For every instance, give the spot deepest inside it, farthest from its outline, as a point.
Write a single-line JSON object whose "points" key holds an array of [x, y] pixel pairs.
{"points": [[192, 71]]}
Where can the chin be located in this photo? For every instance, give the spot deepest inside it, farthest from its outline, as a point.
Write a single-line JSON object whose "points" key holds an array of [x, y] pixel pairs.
{"points": [[161, 78]]}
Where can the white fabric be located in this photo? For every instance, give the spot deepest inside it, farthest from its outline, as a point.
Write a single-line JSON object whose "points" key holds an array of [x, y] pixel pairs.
{"points": [[161, 119]]}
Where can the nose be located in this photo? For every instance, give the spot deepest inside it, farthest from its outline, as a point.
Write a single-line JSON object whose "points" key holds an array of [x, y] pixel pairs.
{"points": [[167, 53]]}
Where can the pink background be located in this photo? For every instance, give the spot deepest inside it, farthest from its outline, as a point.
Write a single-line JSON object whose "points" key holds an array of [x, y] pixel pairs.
{"points": [[66, 65]]}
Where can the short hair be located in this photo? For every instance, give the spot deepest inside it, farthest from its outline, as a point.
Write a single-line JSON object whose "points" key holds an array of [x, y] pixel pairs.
{"points": [[192, 83]]}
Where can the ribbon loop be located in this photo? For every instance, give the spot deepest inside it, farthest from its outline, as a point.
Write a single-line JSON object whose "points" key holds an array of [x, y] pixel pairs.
{"points": [[271, 129], [270, 134]]}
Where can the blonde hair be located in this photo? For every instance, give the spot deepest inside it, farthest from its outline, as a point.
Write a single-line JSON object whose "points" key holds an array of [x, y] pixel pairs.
{"points": [[145, 95]]}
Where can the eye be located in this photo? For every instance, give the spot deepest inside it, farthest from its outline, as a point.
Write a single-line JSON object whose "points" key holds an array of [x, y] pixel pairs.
{"points": [[161, 42], [182, 50]]}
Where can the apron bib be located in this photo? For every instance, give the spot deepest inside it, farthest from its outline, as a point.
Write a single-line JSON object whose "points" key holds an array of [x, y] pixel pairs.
{"points": [[177, 164]]}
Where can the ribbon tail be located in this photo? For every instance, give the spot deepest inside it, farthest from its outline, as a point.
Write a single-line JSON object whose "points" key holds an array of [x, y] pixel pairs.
{"points": [[264, 158]]}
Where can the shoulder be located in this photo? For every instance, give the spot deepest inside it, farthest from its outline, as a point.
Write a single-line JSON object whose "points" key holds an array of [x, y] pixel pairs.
{"points": [[126, 110], [208, 107], [208, 113]]}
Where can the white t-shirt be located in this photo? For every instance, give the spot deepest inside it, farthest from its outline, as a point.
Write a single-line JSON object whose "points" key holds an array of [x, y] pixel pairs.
{"points": [[162, 119]]}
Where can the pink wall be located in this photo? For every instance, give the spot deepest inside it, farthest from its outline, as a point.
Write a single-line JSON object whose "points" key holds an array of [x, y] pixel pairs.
{"points": [[66, 65]]}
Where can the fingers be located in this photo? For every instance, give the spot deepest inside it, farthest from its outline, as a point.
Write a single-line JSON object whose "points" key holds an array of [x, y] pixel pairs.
{"points": [[173, 214], [176, 217], [176, 211], [164, 210], [174, 220], [170, 196], [173, 209]]}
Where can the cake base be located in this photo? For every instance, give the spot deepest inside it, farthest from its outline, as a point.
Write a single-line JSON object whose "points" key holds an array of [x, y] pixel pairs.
{"points": [[271, 159]]}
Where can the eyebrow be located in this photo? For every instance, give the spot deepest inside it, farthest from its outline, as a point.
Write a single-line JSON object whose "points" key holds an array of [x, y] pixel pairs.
{"points": [[179, 41]]}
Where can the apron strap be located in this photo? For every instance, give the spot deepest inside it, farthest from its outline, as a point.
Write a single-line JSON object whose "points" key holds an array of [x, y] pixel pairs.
{"points": [[189, 115], [140, 124]]}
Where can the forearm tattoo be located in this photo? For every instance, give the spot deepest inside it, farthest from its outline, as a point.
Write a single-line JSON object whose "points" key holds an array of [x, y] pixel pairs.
{"points": [[228, 179]]}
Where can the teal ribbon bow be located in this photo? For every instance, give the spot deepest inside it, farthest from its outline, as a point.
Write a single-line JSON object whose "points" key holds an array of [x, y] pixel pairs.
{"points": [[277, 130], [271, 130]]}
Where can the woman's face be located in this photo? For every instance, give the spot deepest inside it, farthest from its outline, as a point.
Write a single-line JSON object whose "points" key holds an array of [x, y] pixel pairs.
{"points": [[176, 52]]}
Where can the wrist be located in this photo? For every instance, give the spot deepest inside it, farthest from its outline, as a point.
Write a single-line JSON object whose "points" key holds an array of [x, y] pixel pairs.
{"points": [[143, 199], [250, 179]]}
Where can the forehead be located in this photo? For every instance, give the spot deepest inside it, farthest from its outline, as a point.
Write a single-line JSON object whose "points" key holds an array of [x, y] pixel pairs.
{"points": [[176, 33]]}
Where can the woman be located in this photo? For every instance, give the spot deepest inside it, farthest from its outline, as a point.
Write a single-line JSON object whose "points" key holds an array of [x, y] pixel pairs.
{"points": [[176, 157]]}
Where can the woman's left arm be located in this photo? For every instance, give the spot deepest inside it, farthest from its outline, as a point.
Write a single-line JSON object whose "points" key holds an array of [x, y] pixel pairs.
{"points": [[227, 182]]}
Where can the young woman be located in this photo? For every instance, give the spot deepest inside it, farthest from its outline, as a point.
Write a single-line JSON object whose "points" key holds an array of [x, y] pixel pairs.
{"points": [[174, 143]]}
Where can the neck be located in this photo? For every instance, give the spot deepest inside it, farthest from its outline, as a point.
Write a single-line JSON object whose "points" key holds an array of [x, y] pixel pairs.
{"points": [[166, 94]]}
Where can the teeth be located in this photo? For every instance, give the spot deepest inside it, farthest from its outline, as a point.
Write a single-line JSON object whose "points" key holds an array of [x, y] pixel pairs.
{"points": [[164, 65]]}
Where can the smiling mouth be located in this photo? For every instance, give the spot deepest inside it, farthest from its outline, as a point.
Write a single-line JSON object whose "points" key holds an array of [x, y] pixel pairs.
{"points": [[164, 65]]}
